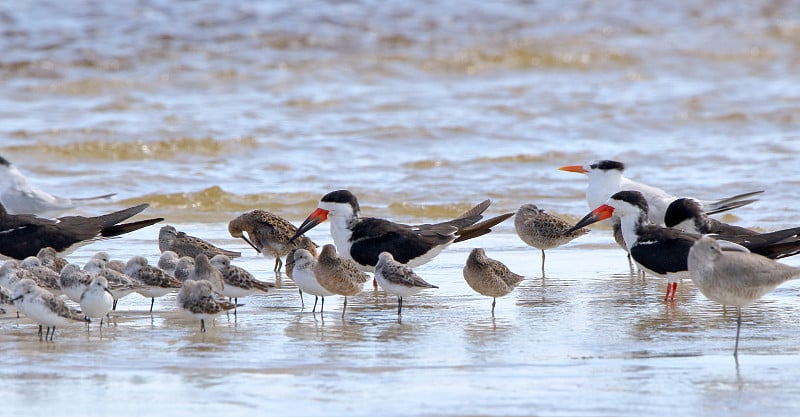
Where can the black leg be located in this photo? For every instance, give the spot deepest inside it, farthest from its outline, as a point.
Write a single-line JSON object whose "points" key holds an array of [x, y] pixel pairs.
{"points": [[152, 301], [399, 305], [202, 325], [302, 303], [542, 261], [344, 308], [494, 300], [738, 327]]}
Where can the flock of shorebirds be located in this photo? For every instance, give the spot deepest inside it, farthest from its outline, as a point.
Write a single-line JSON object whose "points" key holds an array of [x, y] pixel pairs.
{"points": [[664, 235]]}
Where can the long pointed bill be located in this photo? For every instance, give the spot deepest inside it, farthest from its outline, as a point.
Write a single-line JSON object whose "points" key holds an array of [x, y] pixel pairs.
{"points": [[601, 213], [318, 216], [251, 243], [573, 168]]}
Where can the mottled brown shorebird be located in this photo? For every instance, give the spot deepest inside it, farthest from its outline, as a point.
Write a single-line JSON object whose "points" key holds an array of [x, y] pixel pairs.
{"points": [[238, 281], [734, 278], [196, 300], [398, 279], [542, 230], [170, 239], [157, 282], [489, 277], [269, 235], [339, 275]]}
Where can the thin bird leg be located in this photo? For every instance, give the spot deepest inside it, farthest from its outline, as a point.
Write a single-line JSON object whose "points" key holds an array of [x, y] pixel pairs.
{"points": [[494, 300], [202, 325], [344, 308], [399, 305], [542, 261], [152, 301], [738, 327], [302, 303]]}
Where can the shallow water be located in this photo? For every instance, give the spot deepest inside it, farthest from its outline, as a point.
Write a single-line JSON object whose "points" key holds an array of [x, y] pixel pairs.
{"points": [[206, 111]]}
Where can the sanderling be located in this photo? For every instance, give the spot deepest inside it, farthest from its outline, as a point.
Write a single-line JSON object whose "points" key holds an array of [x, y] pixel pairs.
{"points": [[73, 281], [157, 282], [203, 270], [238, 281], [168, 261], [97, 300], [49, 258], [398, 279], [196, 300], [43, 307], [171, 239], [269, 235], [184, 268], [488, 276], [305, 279]]}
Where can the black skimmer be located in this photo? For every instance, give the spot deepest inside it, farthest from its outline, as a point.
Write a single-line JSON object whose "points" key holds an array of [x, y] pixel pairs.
{"points": [[363, 239], [734, 278], [543, 230], [605, 179], [18, 197], [23, 235], [182, 244], [663, 251], [488, 276], [269, 235], [687, 215]]}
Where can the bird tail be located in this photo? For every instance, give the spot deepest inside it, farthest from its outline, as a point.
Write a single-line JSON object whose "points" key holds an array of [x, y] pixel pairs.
{"points": [[121, 229], [731, 203], [263, 286], [111, 219], [99, 197], [480, 229]]}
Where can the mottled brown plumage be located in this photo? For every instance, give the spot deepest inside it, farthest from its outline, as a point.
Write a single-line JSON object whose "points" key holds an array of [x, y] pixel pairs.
{"points": [[269, 235], [542, 230], [339, 275], [196, 299], [489, 277], [185, 245]]}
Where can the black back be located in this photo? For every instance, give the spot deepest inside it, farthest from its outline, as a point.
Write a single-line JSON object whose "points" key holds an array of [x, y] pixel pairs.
{"points": [[371, 236], [663, 250]]}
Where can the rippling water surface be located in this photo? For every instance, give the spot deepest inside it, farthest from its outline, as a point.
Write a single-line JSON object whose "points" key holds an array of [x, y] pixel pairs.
{"points": [[207, 109]]}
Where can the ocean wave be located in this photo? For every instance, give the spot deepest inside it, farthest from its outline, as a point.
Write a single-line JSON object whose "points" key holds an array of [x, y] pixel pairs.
{"points": [[132, 150]]}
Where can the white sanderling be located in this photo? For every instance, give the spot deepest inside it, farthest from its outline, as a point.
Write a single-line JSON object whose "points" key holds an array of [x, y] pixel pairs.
{"points": [[398, 279], [73, 281], [157, 282], [238, 281], [304, 277], [43, 307], [97, 300], [168, 261], [196, 300]]}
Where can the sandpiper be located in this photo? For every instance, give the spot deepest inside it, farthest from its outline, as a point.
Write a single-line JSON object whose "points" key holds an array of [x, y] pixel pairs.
{"points": [[488, 276]]}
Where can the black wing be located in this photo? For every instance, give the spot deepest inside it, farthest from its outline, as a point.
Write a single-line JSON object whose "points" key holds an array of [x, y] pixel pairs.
{"points": [[663, 250]]}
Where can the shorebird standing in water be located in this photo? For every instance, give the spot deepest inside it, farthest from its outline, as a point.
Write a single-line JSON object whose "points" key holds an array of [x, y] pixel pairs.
{"points": [[735, 278], [269, 235], [303, 267], [398, 279], [43, 307], [489, 277], [170, 239], [542, 230], [196, 300], [338, 275]]}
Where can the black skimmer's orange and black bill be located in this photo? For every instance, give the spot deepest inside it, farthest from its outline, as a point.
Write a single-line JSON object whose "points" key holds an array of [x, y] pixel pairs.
{"points": [[606, 178], [23, 235], [19, 197], [663, 251], [363, 239]]}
